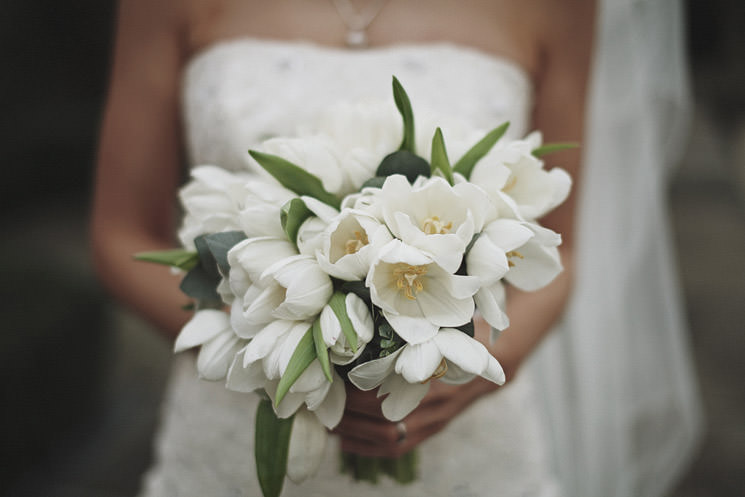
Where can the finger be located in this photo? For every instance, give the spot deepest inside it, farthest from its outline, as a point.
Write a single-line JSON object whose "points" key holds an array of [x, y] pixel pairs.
{"points": [[367, 428], [367, 403]]}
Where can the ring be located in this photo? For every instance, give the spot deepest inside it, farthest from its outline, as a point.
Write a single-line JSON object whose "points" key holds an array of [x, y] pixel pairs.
{"points": [[401, 430]]}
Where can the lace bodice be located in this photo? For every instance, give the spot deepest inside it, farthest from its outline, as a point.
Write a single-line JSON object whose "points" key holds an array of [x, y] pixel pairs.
{"points": [[237, 93]]}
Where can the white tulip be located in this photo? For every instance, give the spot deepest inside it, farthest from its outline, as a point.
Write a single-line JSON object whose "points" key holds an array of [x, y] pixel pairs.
{"points": [[350, 243], [304, 287], [450, 355], [210, 329], [416, 295], [433, 216], [211, 202], [316, 154], [513, 170], [340, 350]]}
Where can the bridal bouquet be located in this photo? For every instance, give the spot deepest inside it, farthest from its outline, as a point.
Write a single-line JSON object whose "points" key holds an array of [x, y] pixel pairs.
{"points": [[356, 260]]}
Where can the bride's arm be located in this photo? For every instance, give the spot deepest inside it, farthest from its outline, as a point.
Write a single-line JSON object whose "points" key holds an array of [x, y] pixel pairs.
{"points": [[559, 114], [139, 162]]}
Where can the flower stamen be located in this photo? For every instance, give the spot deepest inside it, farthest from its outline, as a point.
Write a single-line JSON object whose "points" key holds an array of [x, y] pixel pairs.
{"points": [[442, 368], [510, 183], [513, 253], [433, 226], [353, 245], [408, 279]]}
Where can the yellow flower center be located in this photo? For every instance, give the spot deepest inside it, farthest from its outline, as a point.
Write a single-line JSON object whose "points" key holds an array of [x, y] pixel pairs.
{"points": [[511, 254], [433, 226], [442, 368], [408, 279], [353, 245], [510, 183]]}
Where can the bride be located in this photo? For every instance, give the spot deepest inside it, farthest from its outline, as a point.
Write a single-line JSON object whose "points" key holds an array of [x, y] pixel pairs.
{"points": [[604, 402]]}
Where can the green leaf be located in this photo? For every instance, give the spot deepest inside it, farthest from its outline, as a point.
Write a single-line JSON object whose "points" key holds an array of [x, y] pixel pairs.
{"points": [[338, 304], [200, 284], [219, 244], [404, 107], [403, 162], [550, 148], [271, 446], [304, 354], [292, 215], [358, 288], [468, 328], [295, 178], [374, 182], [466, 163], [322, 351], [440, 159], [207, 261], [180, 258]]}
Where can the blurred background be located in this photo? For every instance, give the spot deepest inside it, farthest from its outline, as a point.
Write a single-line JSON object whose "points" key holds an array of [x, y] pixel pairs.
{"points": [[82, 378]]}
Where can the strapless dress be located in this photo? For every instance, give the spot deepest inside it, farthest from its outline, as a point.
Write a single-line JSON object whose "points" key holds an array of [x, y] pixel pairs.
{"points": [[606, 404]]}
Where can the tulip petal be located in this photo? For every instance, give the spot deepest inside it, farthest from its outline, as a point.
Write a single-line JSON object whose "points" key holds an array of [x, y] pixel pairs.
{"points": [[245, 379], [370, 374], [413, 329], [441, 308], [265, 340], [310, 379], [307, 443], [418, 362], [316, 397], [403, 397], [486, 261], [490, 302], [330, 326], [538, 267], [508, 234], [331, 410], [216, 356], [456, 376], [359, 315], [202, 327], [457, 347]]}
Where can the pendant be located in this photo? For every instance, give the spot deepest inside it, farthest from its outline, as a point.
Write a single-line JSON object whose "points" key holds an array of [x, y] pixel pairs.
{"points": [[357, 38]]}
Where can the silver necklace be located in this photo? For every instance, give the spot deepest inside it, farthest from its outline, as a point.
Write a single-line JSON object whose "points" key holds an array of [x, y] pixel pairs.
{"points": [[357, 21]]}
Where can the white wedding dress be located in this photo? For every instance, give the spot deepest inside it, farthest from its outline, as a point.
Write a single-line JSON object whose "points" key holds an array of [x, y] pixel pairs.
{"points": [[535, 437]]}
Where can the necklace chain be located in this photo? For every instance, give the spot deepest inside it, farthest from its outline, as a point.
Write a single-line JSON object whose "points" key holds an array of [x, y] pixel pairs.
{"points": [[358, 20]]}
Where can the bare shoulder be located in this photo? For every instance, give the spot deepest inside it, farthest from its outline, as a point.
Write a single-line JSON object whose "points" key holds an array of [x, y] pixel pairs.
{"points": [[569, 22]]}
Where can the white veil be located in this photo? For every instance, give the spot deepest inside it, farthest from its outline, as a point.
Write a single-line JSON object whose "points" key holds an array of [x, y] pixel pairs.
{"points": [[616, 377]]}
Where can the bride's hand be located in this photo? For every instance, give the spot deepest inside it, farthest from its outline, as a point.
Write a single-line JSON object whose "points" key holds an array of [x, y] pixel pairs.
{"points": [[365, 431]]}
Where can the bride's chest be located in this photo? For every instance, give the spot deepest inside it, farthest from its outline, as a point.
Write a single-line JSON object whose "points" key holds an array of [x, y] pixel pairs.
{"points": [[237, 93]]}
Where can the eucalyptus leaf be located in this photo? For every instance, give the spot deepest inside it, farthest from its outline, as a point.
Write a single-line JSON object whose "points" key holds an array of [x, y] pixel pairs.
{"points": [[179, 258], [304, 354], [200, 284], [292, 215], [404, 107], [295, 178], [322, 352], [271, 447], [466, 163], [338, 304], [219, 245], [440, 159], [468, 328], [374, 182], [358, 288], [404, 162], [550, 148], [471, 243], [207, 260]]}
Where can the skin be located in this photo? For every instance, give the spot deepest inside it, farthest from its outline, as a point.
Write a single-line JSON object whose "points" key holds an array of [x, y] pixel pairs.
{"points": [[140, 157]]}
